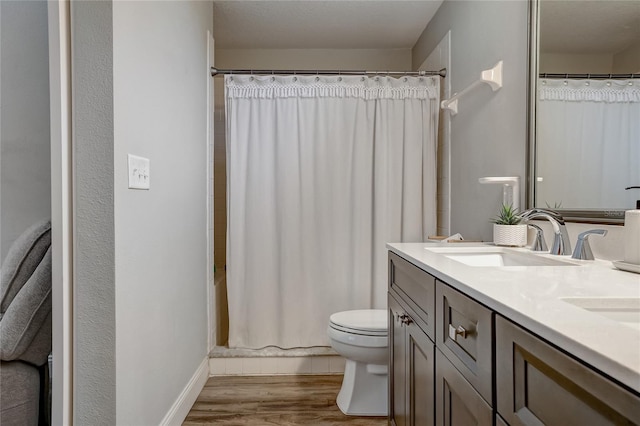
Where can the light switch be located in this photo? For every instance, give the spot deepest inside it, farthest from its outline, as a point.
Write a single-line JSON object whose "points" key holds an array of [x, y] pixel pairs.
{"points": [[139, 172]]}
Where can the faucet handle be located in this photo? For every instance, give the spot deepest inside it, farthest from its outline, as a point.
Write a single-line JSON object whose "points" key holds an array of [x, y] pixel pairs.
{"points": [[539, 243], [583, 249]]}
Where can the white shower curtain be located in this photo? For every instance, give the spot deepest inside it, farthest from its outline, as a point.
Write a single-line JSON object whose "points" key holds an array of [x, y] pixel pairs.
{"points": [[322, 171], [588, 142]]}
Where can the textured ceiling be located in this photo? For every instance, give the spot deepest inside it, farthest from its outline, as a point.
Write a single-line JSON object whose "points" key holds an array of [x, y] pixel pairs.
{"points": [[578, 26], [337, 24]]}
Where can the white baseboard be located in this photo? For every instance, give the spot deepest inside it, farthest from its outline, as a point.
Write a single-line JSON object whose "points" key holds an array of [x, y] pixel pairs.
{"points": [[180, 408]]}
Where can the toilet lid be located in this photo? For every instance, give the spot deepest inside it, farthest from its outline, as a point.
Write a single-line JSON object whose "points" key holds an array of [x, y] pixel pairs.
{"points": [[372, 322]]}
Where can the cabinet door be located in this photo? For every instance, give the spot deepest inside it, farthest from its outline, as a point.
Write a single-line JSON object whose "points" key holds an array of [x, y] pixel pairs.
{"points": [[537, 384], [500, 421], [457, 402], [420, 376], [397, 365]]}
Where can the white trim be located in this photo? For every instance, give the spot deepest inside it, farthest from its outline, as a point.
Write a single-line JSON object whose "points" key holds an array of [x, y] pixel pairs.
{"points": [[211, 294], [59, 22], [181, 407]]}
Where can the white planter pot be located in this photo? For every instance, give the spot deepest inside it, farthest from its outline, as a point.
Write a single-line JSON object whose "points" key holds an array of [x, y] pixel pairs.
{"points": [[510, 235]]}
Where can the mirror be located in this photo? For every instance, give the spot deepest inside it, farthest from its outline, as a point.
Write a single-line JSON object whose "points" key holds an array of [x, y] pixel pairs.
{"points": [[585, 108]]}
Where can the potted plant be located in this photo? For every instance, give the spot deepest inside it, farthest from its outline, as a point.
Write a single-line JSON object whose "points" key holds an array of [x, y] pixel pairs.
{"points": [[507, 230]]}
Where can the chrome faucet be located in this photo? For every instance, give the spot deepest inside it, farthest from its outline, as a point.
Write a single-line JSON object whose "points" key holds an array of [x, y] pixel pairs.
{"points": [[561, 243], [539, 244], [583, 249]]}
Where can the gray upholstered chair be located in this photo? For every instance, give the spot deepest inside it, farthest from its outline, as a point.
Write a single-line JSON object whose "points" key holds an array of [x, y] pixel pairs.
{"points": [[25, 326]]}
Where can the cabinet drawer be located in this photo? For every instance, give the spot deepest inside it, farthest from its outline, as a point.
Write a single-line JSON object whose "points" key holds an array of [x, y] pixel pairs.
{"points": [[465, 334], [538, 384], [457, 402], [416, 288]]}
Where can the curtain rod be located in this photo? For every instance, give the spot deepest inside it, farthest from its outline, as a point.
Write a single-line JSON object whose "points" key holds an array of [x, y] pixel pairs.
{"points": [[215, 72], [589, 76]]}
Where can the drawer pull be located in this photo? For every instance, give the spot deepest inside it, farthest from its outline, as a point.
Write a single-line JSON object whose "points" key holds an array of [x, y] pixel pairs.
{"points": [[405, 319], [454, 332]]}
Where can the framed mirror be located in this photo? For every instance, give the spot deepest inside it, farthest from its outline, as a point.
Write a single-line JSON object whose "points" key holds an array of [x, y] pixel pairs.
{"points": [[584, 129]]}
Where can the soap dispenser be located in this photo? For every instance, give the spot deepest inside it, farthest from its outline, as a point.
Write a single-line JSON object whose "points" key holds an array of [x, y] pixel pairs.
{"points": [[637, 201], [632, 233]]}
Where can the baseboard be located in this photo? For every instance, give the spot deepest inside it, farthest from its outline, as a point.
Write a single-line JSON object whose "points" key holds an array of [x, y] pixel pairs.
{"points": [[180, 408]]}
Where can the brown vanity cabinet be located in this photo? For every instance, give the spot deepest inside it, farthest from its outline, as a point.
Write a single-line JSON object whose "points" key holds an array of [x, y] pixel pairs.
{"points": [[416, 289], [457, 402], [539, 384], [411, 378], [483, 369], [411, 373], [464, 334]]}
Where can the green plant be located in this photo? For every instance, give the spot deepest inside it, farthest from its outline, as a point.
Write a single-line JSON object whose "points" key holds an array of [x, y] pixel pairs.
{"points": [[507, 216], [555, 206]]}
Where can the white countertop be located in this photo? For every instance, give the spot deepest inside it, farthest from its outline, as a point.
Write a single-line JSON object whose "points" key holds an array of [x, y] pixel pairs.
{"points": [[531, 297]]}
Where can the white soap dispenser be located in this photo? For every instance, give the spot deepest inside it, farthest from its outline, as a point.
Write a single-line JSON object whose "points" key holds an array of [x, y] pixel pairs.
{"points": [[632, 233]]}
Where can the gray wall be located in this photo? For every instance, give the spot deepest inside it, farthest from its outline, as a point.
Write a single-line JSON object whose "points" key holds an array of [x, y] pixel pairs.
{"points": [[160, 109], [140, 87], [25, 181], [94, 245], [489, 133]]}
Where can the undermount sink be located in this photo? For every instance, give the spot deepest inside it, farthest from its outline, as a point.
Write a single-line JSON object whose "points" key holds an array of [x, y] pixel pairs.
{"points": [[625, 310], [497, 257]]}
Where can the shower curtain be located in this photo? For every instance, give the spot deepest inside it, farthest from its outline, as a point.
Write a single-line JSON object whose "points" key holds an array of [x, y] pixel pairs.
{"points": [[322, 171], [588, 142]]}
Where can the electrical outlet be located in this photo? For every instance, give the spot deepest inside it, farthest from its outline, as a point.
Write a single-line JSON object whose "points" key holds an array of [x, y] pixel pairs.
{"points": [[139, 172]]}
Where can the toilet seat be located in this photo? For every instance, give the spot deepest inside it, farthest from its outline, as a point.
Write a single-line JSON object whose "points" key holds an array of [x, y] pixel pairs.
{"points": [[366, 327], [365, 322]]}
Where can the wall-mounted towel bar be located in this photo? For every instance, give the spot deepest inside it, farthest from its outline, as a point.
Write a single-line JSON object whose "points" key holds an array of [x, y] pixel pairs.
{"points": [[492, 77]]}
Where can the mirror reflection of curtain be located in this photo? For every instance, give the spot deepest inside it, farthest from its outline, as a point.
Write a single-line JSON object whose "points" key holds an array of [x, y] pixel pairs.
{"points": [[322, 172], [588, 147]]}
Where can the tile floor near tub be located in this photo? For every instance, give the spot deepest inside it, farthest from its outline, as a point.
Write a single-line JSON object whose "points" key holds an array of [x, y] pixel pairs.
{"points": [[284, 400], [328, 364]]}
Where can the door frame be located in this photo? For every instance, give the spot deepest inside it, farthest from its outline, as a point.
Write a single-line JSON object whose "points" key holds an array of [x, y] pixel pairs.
{"points": [[59, 21]]}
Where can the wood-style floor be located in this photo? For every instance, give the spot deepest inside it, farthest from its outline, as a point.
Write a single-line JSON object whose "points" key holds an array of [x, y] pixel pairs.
{"points": [[273, 400]]}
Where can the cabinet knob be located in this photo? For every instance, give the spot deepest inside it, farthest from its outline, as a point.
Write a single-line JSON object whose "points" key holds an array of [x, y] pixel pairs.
{"points": [[405, 319], [454, 332]]}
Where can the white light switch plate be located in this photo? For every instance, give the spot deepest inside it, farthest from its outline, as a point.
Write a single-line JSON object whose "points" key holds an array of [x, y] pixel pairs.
{"points": [[139, 172]]}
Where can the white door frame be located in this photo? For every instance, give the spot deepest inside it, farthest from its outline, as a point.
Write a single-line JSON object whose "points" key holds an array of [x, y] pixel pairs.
{"points": [[211, 294], [59, 21]]}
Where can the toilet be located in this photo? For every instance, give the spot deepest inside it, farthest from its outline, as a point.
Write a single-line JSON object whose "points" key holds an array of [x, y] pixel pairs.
{"points": [[361, 337]]}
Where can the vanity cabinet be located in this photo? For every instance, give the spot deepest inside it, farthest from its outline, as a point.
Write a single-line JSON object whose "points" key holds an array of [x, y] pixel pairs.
{"points": [[464, 335], [539, 384], [411, 373], [457, 402], [455, 361], [416, 289], [411, 376], [444, 384]]}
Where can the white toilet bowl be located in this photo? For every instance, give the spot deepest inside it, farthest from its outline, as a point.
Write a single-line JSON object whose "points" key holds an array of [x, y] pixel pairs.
{"points": [[361, 337]]}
